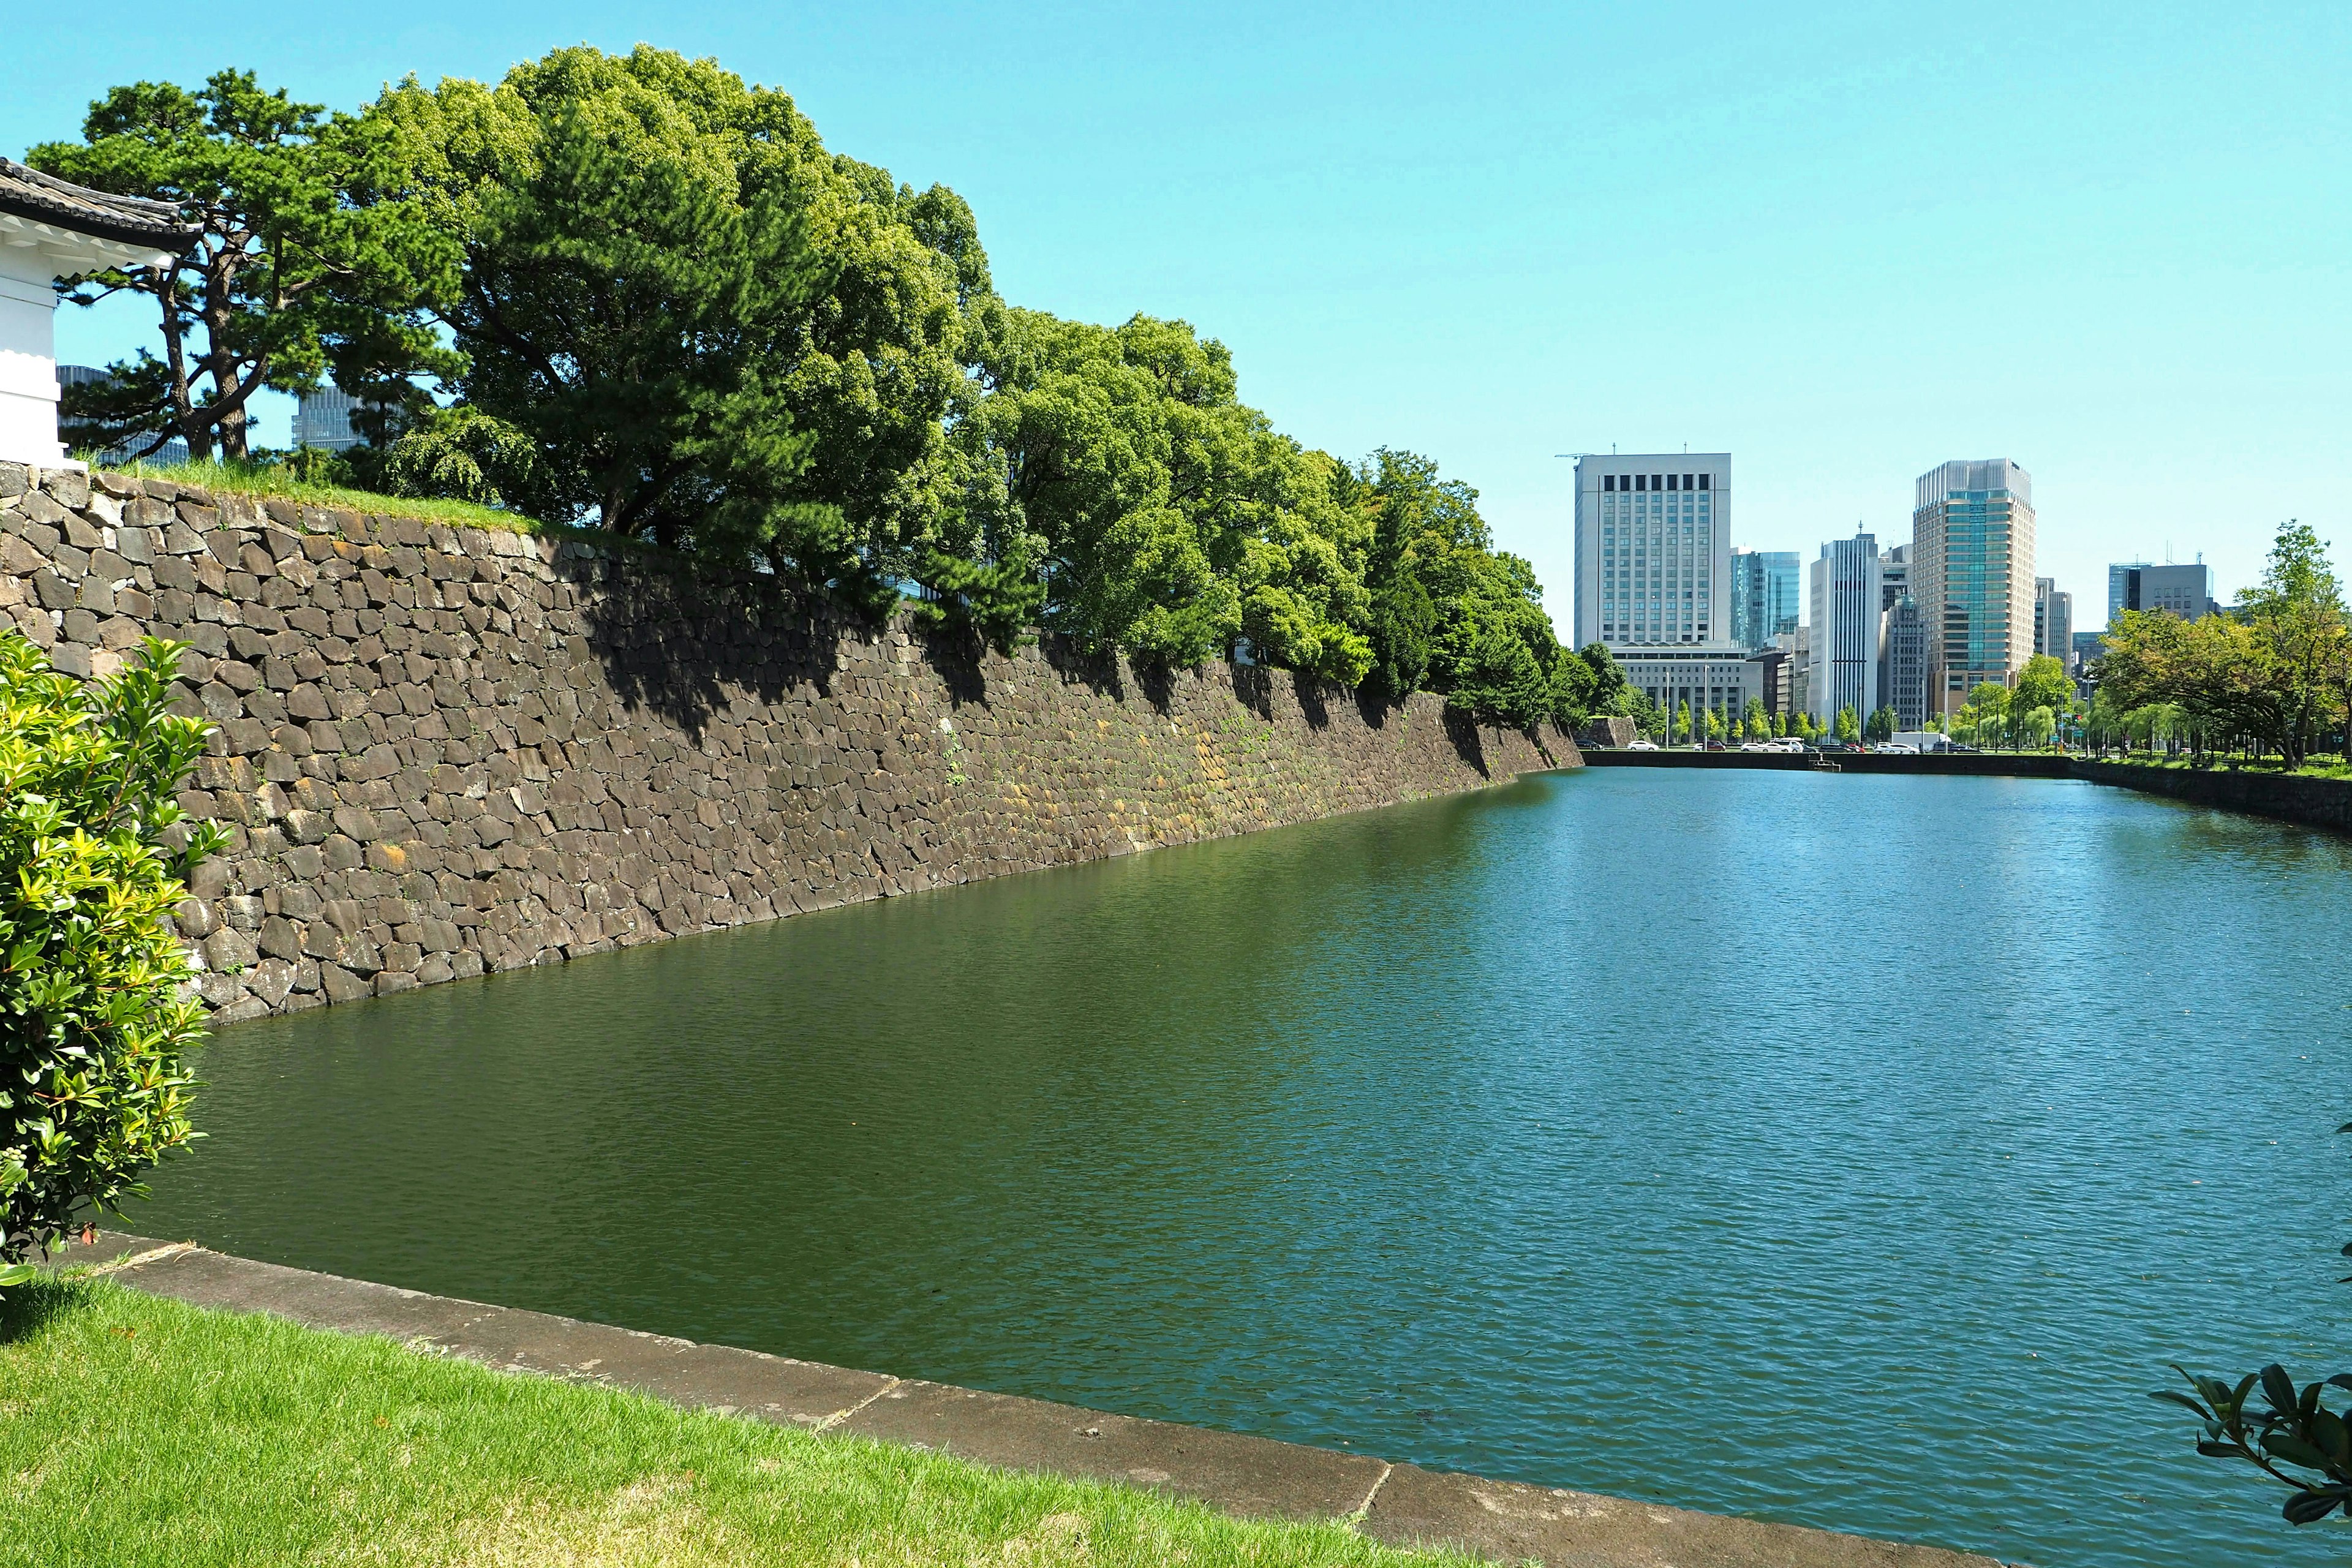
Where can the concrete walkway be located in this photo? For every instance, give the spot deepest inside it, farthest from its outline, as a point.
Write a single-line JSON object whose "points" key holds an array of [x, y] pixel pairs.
{"points": [[1401, 1504]]}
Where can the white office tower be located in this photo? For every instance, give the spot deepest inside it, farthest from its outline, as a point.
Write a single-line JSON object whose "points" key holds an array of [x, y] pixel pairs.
{"points": [[1846, 618], [1653, 551], [1654, 576], [1972, 572]]}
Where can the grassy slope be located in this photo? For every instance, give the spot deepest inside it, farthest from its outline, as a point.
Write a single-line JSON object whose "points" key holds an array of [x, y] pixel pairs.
{"points": [[135, 1430], [265, 480]]}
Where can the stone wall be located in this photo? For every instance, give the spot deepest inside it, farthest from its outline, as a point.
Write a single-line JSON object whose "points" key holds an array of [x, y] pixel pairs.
{"points": [[2314, 802], [446, 750]]}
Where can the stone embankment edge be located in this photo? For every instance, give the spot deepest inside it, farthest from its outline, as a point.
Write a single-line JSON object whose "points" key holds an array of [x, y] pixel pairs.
{"points": [[2285, 797], [2314, 803], [1400, 1504]]}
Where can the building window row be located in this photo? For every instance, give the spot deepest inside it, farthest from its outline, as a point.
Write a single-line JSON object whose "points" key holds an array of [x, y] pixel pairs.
{"points": [[1655, 481]]}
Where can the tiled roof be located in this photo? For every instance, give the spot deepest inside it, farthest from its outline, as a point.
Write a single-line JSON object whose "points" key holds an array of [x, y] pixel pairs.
{"points": [[129, 220]]}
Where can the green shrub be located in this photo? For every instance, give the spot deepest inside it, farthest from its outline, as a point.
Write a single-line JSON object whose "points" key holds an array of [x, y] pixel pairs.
{"points": [[94, 1032]]}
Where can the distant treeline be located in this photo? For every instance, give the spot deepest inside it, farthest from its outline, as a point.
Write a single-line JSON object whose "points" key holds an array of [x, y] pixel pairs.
{"points": [[2271, 674], [634, 293]]}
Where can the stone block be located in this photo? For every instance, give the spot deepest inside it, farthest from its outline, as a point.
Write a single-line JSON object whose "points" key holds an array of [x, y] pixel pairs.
{"points": [[278, 939], [270, 981], [228, 950], [341, 985]]}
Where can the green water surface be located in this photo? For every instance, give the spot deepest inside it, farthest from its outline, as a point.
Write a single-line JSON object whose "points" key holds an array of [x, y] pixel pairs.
{"points": [[1847, 1151]]}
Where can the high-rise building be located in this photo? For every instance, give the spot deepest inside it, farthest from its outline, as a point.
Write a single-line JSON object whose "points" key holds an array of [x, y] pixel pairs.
{"points": [[323, 419], [1653, 551], [2186, 591], [1894, 574], [1654, 576], [2087, 645], [1846, 618], [2054, 619], [1766, 600], [1902, 664], [1972, 572]]}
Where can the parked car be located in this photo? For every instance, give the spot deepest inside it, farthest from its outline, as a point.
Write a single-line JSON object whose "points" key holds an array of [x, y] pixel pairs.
{"points": [[1642, 746], [1897, 749], [1716, 746]]}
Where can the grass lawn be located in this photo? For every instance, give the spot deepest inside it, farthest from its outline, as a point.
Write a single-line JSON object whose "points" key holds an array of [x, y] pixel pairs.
{"points": [[136, 1430]]}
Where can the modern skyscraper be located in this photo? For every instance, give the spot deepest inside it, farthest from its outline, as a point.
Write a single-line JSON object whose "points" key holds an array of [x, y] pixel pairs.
{"points": [[1894, 574], [1903, 679], [1901, 641], [2054, 619], [1766, 599], [1972, 572], [2186, 591], [1846, 618], [1653, 551], [323, 419], [1654, 576]]}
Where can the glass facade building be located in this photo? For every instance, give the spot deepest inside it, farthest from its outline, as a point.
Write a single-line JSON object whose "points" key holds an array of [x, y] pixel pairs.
{"points": [[1765, 596], [1972, 572]]}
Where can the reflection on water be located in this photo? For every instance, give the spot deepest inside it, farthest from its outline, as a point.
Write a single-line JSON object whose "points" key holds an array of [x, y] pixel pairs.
{"points": [[1849, 1151]]}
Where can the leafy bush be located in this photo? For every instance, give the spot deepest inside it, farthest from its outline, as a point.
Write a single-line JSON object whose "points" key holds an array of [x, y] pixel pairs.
{"points": [[94, 1031], [2297, 1432]]}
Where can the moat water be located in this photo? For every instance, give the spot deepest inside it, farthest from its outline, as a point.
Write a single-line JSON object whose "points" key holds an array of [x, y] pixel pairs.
{"points": [[1854, 1152]]}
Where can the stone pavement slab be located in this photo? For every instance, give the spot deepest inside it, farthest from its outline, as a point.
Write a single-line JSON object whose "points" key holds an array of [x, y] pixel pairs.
{"points": [[1244, 1475], [1401, 1504], [1516, 1523]]}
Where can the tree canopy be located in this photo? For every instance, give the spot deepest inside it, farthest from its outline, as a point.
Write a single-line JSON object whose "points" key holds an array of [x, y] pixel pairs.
{"points": [[637, 293], [301, 269], [2274, 670]]}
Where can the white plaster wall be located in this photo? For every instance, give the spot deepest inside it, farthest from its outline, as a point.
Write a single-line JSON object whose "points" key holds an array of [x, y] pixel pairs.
{"points": [[29, 361]]}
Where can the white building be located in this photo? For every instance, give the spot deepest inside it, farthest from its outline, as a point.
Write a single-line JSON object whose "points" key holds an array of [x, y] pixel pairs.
{"points": [[1653, 551], [1846, 617], [1654, 578], [51, 229]]}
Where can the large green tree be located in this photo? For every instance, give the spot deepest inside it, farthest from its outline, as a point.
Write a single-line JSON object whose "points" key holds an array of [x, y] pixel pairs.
{"points": [[304, 266], [2042, 683], [714, 332], [1117, 463]]}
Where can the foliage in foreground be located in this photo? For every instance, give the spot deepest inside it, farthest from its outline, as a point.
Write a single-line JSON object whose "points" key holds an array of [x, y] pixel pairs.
{"points": [[2295, 1439], [671, 313], [143, 1432], [94, 1034]]}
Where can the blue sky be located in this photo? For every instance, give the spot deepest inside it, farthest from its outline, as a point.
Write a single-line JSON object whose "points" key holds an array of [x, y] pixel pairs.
{"points": [[2109, 242]]}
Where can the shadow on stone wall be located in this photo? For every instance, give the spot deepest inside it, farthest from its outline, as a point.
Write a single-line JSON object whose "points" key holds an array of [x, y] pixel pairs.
{"points": [[680, 645], [1469, 744]]}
